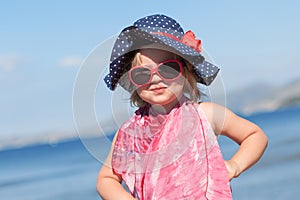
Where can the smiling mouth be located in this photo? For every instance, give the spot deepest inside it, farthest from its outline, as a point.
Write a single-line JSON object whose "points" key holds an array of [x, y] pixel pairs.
{"points": [[158, 90]]}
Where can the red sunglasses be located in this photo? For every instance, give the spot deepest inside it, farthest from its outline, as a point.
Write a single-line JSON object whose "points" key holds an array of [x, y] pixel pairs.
{"points": [[168, 70]]}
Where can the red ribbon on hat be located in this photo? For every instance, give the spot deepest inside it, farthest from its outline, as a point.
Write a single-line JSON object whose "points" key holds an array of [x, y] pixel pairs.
{"points": [[188, 38]]}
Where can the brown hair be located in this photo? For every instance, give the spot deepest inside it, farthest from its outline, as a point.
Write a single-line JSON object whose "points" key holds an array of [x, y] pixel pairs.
{"points": [[190, 87]]}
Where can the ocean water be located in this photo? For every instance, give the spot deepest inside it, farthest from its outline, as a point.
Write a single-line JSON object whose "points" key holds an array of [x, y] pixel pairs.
{"points": [[67, 171], [277, 175]]}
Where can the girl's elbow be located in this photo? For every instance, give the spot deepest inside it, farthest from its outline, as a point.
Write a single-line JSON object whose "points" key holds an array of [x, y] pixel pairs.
{"points": [[99, 184], [266, 140], [263, 138]]}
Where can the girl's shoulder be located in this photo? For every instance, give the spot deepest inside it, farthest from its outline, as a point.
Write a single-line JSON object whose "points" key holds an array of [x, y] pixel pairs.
{"points": [[207, 108], [211, 109], [214, 113]]}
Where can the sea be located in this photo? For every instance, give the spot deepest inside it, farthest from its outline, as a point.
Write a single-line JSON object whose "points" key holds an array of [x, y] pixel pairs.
{"points": [[68, 171]]}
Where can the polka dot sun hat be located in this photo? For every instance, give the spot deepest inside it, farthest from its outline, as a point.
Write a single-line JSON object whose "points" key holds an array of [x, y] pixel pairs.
{"points": [[163, 31]]}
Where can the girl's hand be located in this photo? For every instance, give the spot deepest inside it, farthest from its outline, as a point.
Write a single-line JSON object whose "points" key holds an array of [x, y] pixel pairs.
{"points": [[232, 168]]}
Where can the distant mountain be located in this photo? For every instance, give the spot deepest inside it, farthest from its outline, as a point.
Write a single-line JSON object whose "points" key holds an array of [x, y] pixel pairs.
{"points": [[263, 97]]}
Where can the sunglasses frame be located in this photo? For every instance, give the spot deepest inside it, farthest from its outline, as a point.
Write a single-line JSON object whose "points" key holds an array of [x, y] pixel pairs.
{"points": [[155, 70]]}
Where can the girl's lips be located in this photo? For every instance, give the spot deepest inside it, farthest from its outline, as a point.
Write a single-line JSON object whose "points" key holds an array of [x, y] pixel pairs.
{"points": [[158, 90]]}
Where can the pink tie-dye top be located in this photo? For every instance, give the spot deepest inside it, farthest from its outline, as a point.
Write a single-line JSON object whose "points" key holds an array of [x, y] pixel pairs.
{"points": [[173, 156]]}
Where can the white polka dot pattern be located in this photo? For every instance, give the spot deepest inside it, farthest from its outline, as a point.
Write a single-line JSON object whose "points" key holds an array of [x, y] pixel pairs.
{"points": [[144, 32]]}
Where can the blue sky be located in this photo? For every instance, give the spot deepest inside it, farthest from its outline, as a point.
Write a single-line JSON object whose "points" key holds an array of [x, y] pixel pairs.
{"points": [[43, 44]]}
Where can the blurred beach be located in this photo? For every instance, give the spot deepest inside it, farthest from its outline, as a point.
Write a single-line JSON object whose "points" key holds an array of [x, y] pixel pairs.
{"points": [[67, 171]]}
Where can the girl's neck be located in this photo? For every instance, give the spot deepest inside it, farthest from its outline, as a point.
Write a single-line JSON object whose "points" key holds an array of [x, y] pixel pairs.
{"points": [[165, 109]]}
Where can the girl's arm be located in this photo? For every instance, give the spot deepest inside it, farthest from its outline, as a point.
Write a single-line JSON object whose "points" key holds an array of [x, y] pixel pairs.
{"points": [[249, 136], [108, 183]]}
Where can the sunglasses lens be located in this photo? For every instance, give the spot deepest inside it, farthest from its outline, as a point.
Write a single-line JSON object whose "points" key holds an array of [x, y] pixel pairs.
{"points": [[140, 75], [169, 70]]}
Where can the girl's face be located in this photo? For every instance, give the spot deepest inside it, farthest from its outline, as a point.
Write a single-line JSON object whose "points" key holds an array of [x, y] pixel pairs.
{"points": [[159, 92]]}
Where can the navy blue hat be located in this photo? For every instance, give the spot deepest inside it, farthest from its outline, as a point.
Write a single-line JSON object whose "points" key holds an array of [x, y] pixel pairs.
{"points": [[160, 30]]}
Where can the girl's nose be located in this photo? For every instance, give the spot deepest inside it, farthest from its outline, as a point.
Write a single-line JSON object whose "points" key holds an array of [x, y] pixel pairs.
{"points": [[155, 78]]}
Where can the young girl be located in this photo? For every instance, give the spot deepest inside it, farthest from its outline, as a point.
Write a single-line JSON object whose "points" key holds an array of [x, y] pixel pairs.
{"points": [[168, 149]]}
